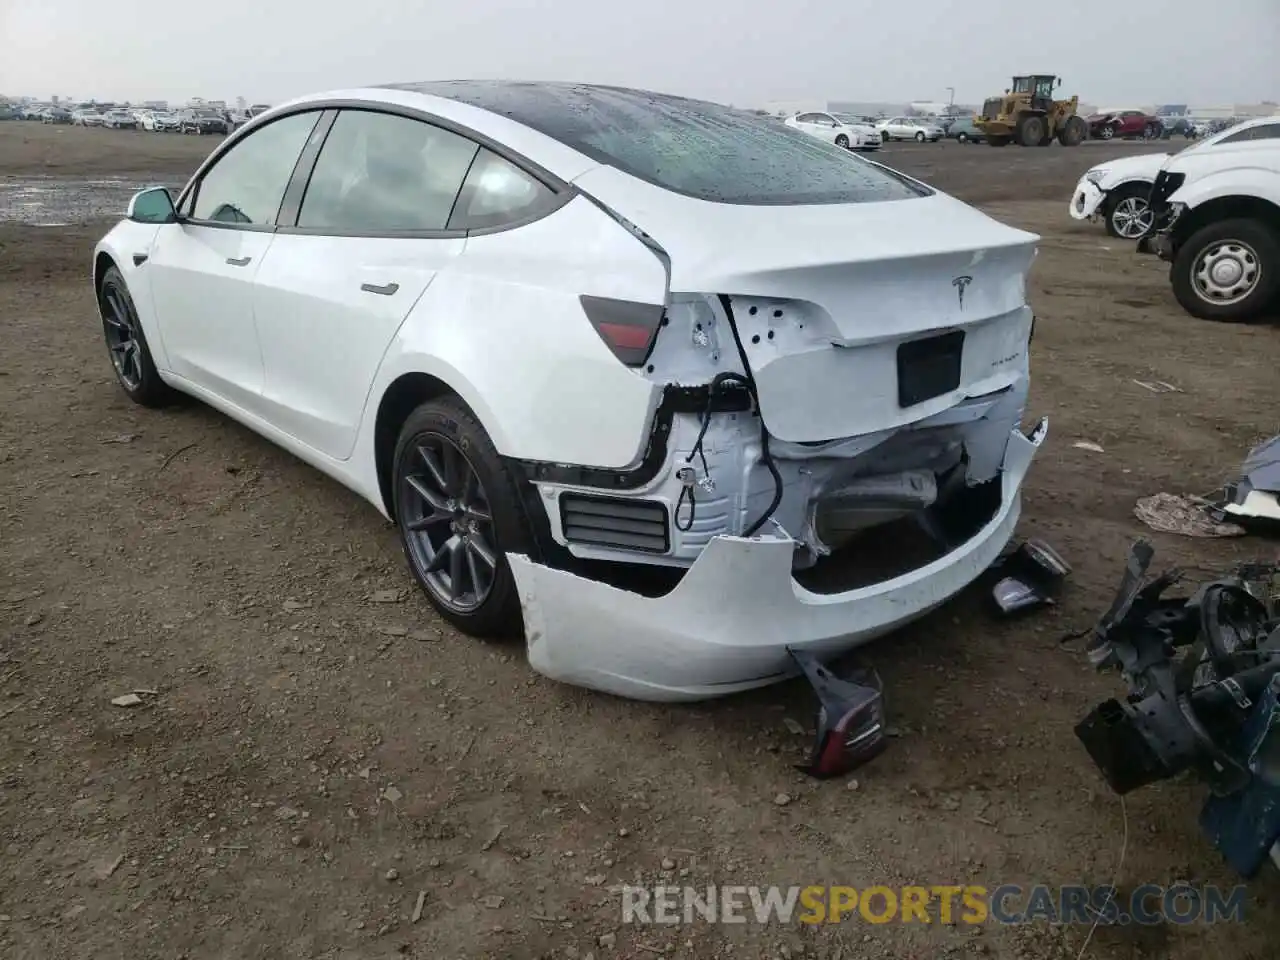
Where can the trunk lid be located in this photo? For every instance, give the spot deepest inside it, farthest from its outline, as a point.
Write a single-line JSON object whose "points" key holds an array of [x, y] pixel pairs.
{"points": [[854, 318]]}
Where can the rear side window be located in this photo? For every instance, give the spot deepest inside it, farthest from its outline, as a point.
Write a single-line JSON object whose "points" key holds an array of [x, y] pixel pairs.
{"points": [[1265, 131], [497, 193], [246, 184], [384, 174], [699, 149]]}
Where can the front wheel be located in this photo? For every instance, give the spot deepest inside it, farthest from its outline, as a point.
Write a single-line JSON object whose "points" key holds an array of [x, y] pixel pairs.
{"points": [[1107, 133], [459, 514], [1228, 271], [920, 137], [842, 141], [1127, 216], [962, 138], [127, 345]]}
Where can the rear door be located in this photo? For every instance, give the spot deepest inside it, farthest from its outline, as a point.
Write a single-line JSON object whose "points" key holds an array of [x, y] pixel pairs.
{"points": [[371, 233]]}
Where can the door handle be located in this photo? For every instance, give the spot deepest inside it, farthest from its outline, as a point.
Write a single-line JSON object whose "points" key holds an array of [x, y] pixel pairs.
{"points": [[386, 290], [239, 261]]}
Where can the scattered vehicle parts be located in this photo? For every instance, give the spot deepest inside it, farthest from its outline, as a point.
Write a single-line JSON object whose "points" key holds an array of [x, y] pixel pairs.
{"points": [[850, 723], [1203, 673], [1254, 499], [1027, 577]]}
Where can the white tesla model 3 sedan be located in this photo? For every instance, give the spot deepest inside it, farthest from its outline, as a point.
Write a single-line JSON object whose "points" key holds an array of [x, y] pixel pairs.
{"points": [[665, 386]]}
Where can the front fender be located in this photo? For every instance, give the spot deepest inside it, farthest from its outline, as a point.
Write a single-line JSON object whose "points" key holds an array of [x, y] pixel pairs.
{"points": [[128, 244], [1236, 182]]}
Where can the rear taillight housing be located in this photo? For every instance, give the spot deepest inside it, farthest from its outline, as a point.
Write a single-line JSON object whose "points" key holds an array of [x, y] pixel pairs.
{"points": [[627, 327]]}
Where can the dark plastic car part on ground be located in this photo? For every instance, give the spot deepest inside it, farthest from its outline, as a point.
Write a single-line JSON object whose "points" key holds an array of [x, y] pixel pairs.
{"points": [[1202, 672]]}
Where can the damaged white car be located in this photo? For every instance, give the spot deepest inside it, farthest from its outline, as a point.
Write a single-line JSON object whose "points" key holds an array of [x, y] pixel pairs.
{"points": [[1116, 192], [658, 383]]}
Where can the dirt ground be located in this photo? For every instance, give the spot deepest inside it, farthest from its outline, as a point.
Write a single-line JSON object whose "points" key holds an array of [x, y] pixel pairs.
{"points": [[308, 762]]}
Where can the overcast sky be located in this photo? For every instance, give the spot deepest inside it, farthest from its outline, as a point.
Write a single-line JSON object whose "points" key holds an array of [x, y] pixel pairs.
{"points": [[739, 51]]}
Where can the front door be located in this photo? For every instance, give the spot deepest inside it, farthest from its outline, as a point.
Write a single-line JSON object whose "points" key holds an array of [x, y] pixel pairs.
{"points": [[202, 268]]}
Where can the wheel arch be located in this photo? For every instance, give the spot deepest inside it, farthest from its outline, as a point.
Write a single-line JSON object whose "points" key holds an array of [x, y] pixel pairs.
{"points": [[102, 262], [1228, 207], [402, 396]]}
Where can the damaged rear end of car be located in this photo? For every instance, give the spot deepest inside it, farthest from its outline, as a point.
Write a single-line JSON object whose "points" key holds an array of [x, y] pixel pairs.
{"points": [[838, 449], [839, 368]]}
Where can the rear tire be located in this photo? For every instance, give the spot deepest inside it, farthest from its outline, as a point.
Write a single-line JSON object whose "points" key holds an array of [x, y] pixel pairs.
{"points": [[447, 424], [1228, 271]]}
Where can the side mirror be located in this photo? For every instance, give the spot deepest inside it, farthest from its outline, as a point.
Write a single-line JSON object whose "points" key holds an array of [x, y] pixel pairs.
{"points": [[154, 205]]}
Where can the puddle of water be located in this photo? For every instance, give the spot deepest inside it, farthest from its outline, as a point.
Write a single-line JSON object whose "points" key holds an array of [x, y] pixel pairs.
{"points": [[60, 202]]}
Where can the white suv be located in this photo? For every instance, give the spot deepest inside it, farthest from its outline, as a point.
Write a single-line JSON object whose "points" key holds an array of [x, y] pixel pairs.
{"points": [[1216, 218]]}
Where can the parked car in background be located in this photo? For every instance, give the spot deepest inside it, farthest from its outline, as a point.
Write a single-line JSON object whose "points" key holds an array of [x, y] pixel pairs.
{"points": [[257, 108], [847, 133], [1179, 127], [964, 130], [119, 120], [55, 115], [197, 120], [777, 341], [1124, 124], [161, 121], [910, 128], [1213, 219], [33, 111], [87, 118], [9, 112]]}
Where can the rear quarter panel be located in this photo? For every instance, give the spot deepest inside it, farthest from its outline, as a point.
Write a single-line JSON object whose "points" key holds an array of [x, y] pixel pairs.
{"points": [[503, 327]]}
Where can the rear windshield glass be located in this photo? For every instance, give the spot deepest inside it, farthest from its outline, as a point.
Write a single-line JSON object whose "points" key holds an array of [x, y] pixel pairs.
{"points": [[700, 149]]}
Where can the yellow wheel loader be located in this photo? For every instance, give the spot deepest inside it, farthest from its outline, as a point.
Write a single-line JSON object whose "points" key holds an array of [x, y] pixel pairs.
{"points": [[1028, 115]]}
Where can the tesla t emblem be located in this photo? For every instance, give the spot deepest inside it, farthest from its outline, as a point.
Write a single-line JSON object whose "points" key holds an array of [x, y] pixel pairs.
{"points": [[960, 283]]}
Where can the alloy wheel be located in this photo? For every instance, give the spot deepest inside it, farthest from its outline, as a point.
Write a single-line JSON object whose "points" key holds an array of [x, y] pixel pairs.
{"points": [[1132, 218], [122, 337], [448, 524], [1226, 272]]}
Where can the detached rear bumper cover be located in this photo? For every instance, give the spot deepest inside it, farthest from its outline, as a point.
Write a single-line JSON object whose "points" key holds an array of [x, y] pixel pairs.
{"points": [[726, 627]]}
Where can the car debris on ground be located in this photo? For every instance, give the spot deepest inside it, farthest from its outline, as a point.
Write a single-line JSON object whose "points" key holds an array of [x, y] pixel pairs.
{"points": [[1203, 673]]}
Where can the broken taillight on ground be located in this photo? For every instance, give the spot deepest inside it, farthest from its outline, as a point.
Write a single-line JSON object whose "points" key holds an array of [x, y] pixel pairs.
{"points": [[1028, 577], [850, 723]]}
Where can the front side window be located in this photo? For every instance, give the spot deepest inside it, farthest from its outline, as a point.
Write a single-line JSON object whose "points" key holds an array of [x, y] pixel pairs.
{"points": [[381, 173], [702, 150], [247, 183], [497, 192]]}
